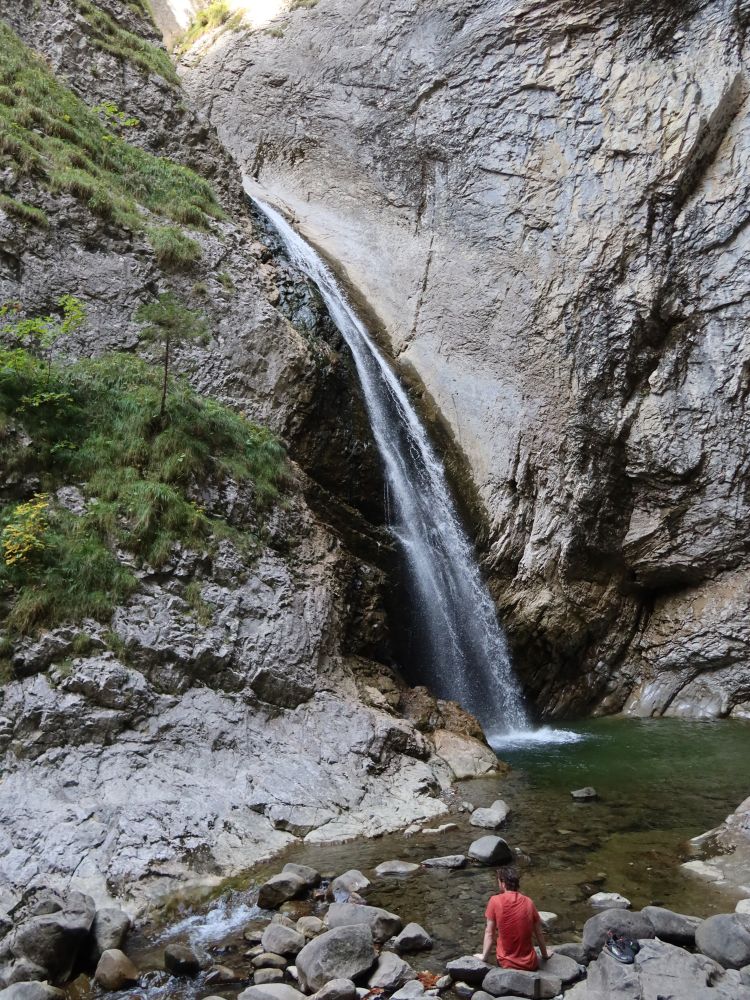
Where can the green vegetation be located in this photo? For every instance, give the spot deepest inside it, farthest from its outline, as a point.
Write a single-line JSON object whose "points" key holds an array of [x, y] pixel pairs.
{"points": [[107, 35], [169, 322], [213, 15], [303, 4], [23, 212], [49, 133], [172, 249], [225, 280], [97, 424], [115, 118], [201, 609]]}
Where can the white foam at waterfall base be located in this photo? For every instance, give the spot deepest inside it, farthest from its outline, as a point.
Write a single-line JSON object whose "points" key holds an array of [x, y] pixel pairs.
{"points": [[464, 653], [517, 739], [229, 914]]}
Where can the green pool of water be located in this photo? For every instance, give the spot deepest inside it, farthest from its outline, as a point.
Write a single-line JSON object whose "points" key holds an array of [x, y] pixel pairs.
{"points": [[660, 782]]}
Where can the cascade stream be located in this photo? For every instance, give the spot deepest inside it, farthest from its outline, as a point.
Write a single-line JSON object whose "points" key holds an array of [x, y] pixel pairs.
{"points": [[452, 612]]}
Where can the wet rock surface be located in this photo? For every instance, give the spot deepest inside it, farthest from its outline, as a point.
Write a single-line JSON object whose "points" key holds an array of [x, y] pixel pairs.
{"points": [[555, 196]]}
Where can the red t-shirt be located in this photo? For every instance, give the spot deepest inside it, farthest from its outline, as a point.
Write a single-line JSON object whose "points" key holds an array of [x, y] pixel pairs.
{"points": [[514, 915]]}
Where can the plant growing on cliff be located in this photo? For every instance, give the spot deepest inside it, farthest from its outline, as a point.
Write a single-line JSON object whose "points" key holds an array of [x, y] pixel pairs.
{"points": [[24, 212], [172, 249], [109, 36], [170, 323], [47, 132], [97, 425], [40, 334]]}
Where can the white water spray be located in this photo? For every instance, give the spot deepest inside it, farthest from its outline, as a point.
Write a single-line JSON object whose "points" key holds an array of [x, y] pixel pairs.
{"points": [[466, 653]]}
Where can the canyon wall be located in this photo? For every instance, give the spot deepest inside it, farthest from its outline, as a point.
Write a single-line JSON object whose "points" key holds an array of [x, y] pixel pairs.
{"points": [[544, 207], [243, 696]]}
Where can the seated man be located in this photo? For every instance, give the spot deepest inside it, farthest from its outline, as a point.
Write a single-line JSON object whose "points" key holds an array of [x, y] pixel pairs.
{"points": [[514, 919]]}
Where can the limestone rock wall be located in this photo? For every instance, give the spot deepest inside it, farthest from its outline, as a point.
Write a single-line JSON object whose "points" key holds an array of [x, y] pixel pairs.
{"points": [[171, 746], [544, 206]]}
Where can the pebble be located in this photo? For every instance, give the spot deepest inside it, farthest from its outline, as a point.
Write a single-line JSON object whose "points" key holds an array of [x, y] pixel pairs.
{"points": [[587, 794], [463, 989], [609, 901]]}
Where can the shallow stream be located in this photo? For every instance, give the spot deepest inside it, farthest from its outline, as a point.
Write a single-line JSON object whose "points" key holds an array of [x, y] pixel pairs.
{"points": [[659, 783]]}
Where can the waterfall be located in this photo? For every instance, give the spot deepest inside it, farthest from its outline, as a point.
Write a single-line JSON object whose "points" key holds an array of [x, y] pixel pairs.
{"points": [[466, 651]]}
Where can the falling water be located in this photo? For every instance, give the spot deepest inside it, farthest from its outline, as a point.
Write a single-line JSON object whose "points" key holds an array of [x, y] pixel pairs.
{"points": [[466, 652]]}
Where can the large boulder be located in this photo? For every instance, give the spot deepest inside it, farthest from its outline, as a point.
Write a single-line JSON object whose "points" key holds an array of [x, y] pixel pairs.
{"points": [[282, 940], [564, 968], [390, 972], [109, 930], [115, 971], [382, 923], [514, 982], [674, 928], [411, 939], [309, 875], [344, 885], [725, 937], [467, 969], [623, 923], [279, 889], [490, 850], [341, 953], [181, 960], [337, 989], [659, 970], [53, 933], [492, 817]]}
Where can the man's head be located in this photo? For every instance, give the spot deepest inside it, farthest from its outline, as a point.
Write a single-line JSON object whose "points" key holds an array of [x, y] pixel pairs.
{"points": [[508, 879]]}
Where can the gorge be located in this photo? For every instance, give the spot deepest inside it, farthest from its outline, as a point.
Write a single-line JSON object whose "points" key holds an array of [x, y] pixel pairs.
{"points": [[475, 351]]}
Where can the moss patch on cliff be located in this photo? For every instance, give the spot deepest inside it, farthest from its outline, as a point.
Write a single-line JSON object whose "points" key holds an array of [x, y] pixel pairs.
{"points": [[49, 134], [214, 15], [95, 425]]}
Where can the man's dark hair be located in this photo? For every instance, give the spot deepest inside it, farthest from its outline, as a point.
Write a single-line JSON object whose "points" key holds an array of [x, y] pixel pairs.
{"points": [[509, 877]]}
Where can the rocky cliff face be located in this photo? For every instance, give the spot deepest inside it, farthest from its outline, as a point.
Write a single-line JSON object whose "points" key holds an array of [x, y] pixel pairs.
{"points": [[200, 729], [545, 207]]}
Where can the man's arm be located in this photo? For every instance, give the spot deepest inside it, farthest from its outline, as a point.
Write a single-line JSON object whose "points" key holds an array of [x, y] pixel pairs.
{"points": [[489, 941], [539, 935]]}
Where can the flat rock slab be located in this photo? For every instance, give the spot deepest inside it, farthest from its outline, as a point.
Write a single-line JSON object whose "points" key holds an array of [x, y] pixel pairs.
{"points": [[467, 969], [437, 830], [587, 794], [448, 861], [396, 868], [490, 851]]}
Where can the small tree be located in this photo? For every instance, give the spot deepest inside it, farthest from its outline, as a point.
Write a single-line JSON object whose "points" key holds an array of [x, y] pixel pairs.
{"points": [[170, 322]]}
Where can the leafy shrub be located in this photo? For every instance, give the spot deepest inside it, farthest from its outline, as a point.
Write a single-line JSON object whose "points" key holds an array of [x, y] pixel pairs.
{"points": [[213, 15], [172, 249]]}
